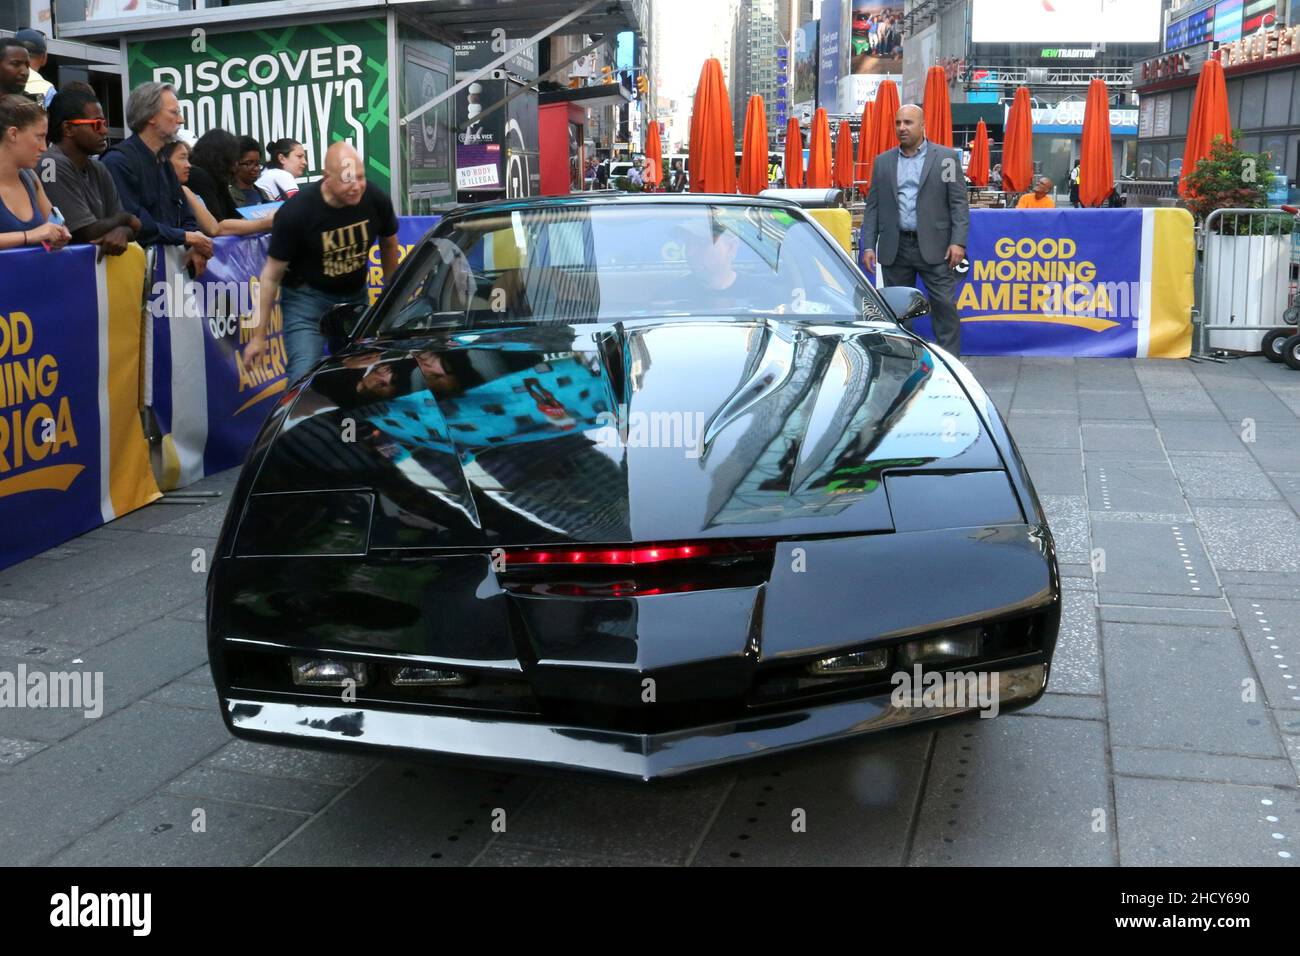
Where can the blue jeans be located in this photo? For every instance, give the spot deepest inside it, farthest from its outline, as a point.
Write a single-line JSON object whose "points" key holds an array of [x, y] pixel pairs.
{"points": [[301, 309]]}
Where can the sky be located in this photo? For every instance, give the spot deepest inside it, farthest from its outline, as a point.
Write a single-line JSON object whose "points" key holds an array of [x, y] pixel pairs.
{"points": [[691, 35]]}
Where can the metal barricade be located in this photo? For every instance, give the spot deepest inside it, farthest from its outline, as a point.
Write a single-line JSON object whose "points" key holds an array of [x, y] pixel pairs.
{"points": [[1245, 278]]}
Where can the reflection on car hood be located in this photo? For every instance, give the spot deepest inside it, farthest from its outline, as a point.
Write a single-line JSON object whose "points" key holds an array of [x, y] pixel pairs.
{"points": [[645, 430]]}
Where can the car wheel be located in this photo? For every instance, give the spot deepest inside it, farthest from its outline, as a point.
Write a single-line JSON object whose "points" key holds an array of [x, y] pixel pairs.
{"points": [[1291, 352], [1291, 314], [1272, 343]]}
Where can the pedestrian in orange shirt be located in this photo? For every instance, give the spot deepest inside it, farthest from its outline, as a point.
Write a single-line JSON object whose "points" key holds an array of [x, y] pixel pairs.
{"points": [[1040, 198]]}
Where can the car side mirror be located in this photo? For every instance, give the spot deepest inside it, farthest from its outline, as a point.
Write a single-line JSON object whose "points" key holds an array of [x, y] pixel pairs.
{"points": [[905, 302], [339, 322]]}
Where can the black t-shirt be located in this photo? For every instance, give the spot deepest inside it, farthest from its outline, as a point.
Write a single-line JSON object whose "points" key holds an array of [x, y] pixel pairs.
{"points": [[328, 248]]}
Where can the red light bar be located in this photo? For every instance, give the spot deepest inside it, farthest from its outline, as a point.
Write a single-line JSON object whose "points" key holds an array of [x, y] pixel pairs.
{"points": [[632, 554]]}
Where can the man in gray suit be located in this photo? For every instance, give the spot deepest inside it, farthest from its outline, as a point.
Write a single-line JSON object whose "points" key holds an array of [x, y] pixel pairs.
{"points": [[918, 213]]}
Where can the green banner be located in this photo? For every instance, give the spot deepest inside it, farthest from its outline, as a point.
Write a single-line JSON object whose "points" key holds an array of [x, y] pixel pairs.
{"points": [[317, 83]]}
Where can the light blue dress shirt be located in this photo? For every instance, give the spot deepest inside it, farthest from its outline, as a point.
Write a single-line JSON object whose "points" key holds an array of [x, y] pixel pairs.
{"points": [[909, 182]]}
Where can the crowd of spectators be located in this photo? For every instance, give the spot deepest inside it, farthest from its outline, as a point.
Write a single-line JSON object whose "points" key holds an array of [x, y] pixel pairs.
{"points": [[61, 182]]}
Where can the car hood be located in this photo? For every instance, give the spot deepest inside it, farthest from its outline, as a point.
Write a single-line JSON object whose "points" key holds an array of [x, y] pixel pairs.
{"points": [[644, 430]]}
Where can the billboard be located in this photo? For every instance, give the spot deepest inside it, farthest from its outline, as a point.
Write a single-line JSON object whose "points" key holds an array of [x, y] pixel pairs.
{"points": [[803, 87], [316, 83], [1066, 21], [427, 143], [830, 45], [876, 38]]}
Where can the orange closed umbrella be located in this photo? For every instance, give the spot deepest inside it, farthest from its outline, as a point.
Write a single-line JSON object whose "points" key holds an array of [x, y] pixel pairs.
{"points": [[654, 156], [793, 155], [862, 174], [753, 158], [938, 112], [1209, 121], [819, 151], [978, 170], [1096, 168], [1018, 147], [844, 156], [713, 143], [883, 136]]}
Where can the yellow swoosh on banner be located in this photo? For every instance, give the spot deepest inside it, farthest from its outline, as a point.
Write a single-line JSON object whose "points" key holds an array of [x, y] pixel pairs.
{"points": [[275, 389], [49, 478], [1077, 321]]}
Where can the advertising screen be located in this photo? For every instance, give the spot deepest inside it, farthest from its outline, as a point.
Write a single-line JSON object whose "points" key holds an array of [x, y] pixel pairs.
{"points": [[1065, 21], [830, 43]]}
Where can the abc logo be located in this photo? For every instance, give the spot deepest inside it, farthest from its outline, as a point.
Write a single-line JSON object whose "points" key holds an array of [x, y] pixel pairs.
{"points": [[223, 325]]}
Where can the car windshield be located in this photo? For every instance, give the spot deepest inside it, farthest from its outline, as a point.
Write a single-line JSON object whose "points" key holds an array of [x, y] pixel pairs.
{"points": [[597, 263]]}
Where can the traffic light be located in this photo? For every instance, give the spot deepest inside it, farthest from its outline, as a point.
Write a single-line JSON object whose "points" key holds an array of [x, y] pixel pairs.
{"points": [[607, 74], [642, 85]]}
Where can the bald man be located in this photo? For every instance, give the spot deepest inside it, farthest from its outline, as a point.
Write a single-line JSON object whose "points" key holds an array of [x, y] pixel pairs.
{"points": [[916, 219], [318, 257]]}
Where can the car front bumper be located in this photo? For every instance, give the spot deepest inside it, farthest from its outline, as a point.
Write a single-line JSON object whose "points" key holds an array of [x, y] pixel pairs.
{"points": [[621, 754]]}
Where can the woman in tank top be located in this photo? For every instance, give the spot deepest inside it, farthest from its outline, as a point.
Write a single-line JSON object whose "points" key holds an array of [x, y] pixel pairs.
{"points": [[24, 207]]}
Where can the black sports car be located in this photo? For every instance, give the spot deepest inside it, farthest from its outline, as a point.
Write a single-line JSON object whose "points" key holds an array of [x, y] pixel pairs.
{"points": [[631, 484]]}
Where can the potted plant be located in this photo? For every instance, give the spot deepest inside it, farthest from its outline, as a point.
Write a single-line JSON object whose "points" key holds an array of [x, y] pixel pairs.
{"points": [[1247, 257]]}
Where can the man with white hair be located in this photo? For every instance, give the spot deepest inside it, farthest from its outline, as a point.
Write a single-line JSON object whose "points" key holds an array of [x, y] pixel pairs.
{"points": [[147, 184]]}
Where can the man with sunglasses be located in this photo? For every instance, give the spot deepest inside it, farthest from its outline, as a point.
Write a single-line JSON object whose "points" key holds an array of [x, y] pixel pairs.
{"points": [[84, 190]]}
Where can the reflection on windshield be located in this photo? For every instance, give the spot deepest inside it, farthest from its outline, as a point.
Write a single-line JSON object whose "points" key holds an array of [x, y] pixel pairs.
{"points": [[583, 263]]}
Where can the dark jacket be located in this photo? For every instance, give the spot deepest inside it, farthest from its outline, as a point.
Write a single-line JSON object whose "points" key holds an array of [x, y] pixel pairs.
{"points": [[942, 208], [149, 190]]}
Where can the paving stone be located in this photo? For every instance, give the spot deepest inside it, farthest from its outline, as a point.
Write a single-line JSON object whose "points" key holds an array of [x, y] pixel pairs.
{"points": [[160, 832], [1201, 436], [301, 796], [659, 824], [150, 516], [857, 800], [1141, 517], [1179, 823], [1072, 706], [194, 611], [1036, 401], [1171, 404], [1082, 571], [14, 608], [1055, 473], [1272, 633], [276, 761], [1222, 476], [96, 616], [1275, 446], [1214, 768], [56, 581], [200, 675], [66, 791], [1162, 602], [1180, 688], [1076, 661], [203, 522], [12, 751], [1036, 431], [183, 693], [1045, 776], [1260, 405], [1292, 744], [514, 855], [1151, 558], [1086, 585], [1130, 439], [410, 815], [1106, 373], [1195, 617], [1251, 539], [1280, 578], [1119, 483], [1067, 516], [40, 652], [1100, 405]]}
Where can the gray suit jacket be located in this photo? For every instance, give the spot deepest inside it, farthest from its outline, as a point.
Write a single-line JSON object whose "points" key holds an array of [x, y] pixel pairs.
{"points": [[942, 209]]}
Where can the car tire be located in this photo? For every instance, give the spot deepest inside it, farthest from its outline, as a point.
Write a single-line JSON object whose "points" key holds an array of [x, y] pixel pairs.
{"points": [[1291, 315], [1291, 352], [1272, 343]]}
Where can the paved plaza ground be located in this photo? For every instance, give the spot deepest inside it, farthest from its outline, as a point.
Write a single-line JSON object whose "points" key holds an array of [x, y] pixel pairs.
{"points": [[1170, 733]]}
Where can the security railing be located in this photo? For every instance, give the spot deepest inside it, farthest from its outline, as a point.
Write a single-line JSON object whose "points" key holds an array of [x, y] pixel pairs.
{"points": [[1246, 277]]}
